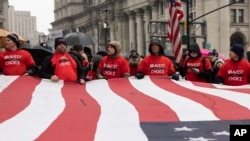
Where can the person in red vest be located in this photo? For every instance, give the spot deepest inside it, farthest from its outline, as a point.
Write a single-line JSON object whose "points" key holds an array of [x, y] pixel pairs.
{"points": [[156, 63], [113, 65], [15, 61], [62, 65], [195, 67], [236, 70]]}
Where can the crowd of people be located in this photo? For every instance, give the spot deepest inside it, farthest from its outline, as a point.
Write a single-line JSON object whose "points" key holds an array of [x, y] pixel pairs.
{"points": [[79, 64]]}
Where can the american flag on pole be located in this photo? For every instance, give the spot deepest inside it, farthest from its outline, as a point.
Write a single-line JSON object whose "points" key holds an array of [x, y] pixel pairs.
{"points": [[175, 16], [126, 109]]}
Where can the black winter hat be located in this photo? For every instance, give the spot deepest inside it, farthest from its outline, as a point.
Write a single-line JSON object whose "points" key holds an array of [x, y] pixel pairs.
{"points": [[60, 40], [14, 38], [238, 49], [77, 47], [133, 53], [213, 52]]}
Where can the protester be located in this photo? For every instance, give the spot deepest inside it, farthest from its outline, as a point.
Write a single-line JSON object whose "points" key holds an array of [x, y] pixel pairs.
{"points": [[92, 67], [235, 71], [62, 65], [215, 61], [134, 61], [15, 61], [77, 51], [113, 65], [195, 67], [156, 63]]}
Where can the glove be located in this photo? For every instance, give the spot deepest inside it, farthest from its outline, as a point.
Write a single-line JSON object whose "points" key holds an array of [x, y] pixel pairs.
{"points": [[175, 77], [139, 75]]}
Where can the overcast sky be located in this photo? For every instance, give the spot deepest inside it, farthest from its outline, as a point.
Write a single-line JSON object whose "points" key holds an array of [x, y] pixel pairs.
{"points": [[42, 9]]}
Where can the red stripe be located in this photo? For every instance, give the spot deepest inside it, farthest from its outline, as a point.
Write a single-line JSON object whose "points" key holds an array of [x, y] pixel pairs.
{"points": [[79, 118], [217, 105], [17, 96], [207, 85], [150, 109]]}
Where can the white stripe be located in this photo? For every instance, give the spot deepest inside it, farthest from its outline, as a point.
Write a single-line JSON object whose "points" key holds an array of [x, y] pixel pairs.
{"points": [[5, 81], [186, 109], [46, 104], [237, 97], [119, 120], [231, 87]]}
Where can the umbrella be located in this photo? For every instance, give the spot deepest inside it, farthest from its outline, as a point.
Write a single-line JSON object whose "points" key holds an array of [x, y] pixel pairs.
{"points": [[79, 38], [38, 52], [4, 33]]}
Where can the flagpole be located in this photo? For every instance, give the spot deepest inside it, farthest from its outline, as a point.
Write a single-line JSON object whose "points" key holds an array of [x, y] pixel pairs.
{"points": [[187, 23]]}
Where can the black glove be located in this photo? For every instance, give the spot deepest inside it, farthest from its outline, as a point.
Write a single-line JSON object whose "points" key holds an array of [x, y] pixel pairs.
{"points": [[175, 76], [139, 75]]}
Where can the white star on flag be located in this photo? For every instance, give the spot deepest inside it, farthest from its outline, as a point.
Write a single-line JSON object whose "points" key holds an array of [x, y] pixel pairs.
{"points": [[185, 129], [221, 133], [200, 139]]}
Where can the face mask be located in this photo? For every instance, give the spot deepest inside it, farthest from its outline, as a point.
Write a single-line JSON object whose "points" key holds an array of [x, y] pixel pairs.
{"points": [[193, 55]]}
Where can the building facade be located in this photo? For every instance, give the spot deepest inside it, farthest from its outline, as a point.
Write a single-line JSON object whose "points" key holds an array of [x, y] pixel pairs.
{"points": [[4, 14], [130, 22]]}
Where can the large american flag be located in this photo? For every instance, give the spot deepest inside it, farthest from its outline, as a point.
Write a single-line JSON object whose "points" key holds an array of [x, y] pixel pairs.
{"points": [[125, 109], [175, 16]]}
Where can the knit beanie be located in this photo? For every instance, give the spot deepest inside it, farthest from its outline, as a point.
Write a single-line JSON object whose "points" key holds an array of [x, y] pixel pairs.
{"points": [[60, 40], [238, 49], [213, 52], [14, 38]]}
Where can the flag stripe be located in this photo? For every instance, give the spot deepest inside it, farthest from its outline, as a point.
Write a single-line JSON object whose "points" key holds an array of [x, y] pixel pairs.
{"points": [[76, 125], [185, 108], [5, 81], [119, 120], [239, 98], [175, 16], [31, 122], [16, 96], [217, 105], [145, 107], [240, 89]]}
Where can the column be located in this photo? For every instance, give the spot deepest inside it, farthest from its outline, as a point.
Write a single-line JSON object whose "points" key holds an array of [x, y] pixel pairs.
{"points": [[154, 9], [119, 32], [146, 29], [139, 31], [125, 32], [132, 37]]}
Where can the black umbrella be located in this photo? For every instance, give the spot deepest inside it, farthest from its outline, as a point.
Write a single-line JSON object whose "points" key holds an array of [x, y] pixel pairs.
{"points": [[38, 52], [79, 38]]}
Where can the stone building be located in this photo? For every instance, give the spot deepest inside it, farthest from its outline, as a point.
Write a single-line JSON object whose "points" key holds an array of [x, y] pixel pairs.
{"points": [[130, 21], [4, 14]]}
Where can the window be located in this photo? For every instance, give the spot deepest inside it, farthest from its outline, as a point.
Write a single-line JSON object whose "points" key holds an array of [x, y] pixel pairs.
{"points": [[241, 16], [233, 16]]}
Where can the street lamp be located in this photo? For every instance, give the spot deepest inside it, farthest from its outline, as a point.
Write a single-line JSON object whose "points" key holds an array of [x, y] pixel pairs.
{"points": [[105, 26]]}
